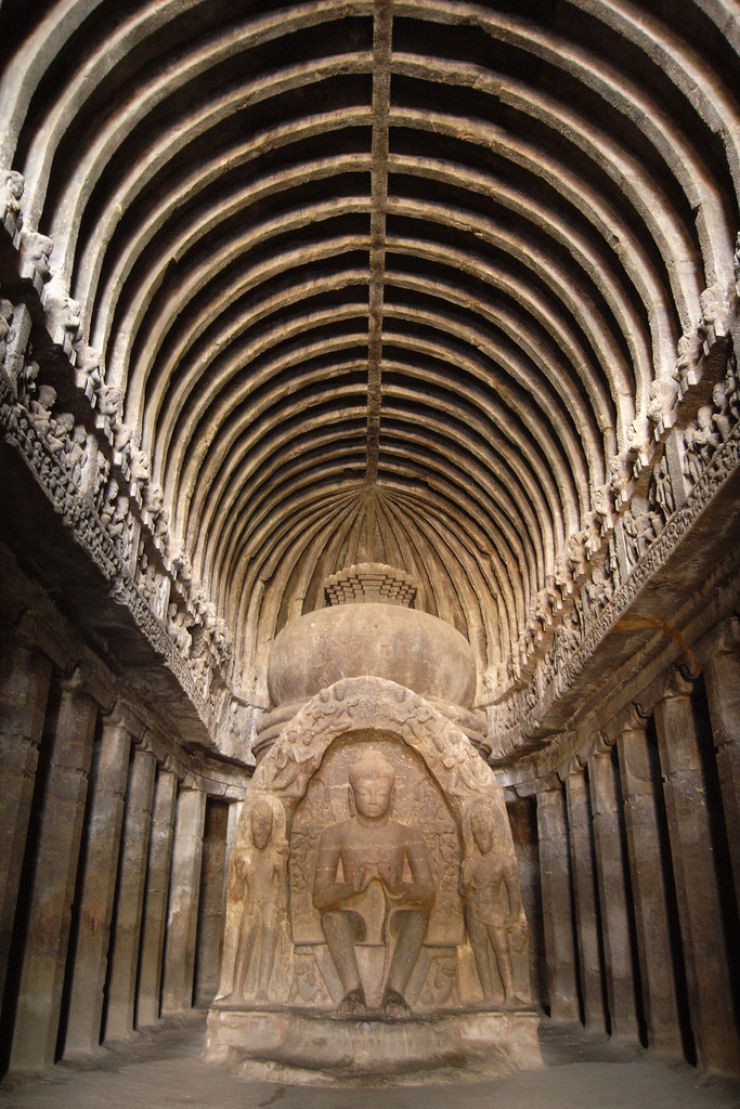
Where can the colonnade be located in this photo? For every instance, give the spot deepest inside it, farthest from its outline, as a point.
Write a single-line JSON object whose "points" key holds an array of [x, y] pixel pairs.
{"points": [[640, 866], [107, 914]]}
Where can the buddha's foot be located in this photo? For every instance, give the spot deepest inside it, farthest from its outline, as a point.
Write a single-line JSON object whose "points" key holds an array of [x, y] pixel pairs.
{"points": [[353, 1004], [395, 1006]]}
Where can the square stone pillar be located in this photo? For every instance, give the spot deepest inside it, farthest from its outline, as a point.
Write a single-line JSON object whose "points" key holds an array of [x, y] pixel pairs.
{"points": [[103, 834], [124, 954], [649, 893], [155, 902], [552, 837], [586, 905], [24, 690], [211, 906], [60, 832], [182, 915], [612, 879], [722, 683], [697, 891]]}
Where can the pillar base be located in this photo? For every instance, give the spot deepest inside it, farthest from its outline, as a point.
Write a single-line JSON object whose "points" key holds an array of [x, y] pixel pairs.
{"points": [[305, 1048]]}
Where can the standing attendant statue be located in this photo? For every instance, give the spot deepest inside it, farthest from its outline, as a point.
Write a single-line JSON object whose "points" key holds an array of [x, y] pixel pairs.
{"points": [[373, 847], [489, 885], [258, 881]]}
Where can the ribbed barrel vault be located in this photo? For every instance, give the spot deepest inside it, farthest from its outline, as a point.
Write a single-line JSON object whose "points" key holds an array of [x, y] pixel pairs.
{"points": [[379, 281]]}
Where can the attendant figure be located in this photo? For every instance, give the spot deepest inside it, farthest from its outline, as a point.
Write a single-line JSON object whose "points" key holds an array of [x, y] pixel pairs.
{"points": [[489, 885], [258, 881]]}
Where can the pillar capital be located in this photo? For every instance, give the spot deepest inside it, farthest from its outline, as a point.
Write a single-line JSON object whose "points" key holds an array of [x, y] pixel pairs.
{"points": [[84, 682], [723, 639], [677, 685], [603, 744], [121, 716]]}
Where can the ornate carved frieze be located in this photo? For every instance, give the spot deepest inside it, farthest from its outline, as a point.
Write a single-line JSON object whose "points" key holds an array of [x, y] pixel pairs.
{"points": [[655, 534]]}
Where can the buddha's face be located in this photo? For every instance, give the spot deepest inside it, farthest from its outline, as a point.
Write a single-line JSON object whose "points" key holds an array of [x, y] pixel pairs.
{"points": [[261, 825], [482, 829], [372, 796]]}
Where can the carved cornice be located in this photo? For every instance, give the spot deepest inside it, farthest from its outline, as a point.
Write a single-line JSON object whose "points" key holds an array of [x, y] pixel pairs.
{"points": [[518, 718]]}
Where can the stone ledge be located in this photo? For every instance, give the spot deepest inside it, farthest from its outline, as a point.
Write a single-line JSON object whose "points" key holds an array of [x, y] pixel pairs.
{"points": [[296, 1048]]}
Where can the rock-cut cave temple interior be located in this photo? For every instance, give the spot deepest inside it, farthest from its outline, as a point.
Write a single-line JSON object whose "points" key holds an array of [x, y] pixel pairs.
{"points": [[369, 476]]}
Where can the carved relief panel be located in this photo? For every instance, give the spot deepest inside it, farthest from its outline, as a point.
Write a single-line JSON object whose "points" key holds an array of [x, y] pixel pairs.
{"points": [[374, 870]]}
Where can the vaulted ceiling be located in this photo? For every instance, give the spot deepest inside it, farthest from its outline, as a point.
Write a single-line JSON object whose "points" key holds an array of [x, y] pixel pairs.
{"points": [[382, 281]]}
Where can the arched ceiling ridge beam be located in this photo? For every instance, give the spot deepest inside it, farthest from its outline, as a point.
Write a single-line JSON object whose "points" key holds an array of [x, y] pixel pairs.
{"points": [[512, 525], [196, 327], [197, 371], [131, 35], [588, 266], [29, 63], [556, 328], [179, 302], [180, 478], [674, 240], [511, 517], [527, 494], [541, 420], [341, 396], [700, 86], [205, 378], [514, 532], [618, 93], [506, 547], [556, 373], [577, 191], [193, 459], [530, 467], [215, 385], [195, 447], [154, 218], [498, 580], [215, 477], [101, 148], [616, 371], [473, 590]]}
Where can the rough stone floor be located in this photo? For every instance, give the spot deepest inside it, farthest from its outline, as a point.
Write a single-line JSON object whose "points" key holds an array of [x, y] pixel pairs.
{"points": [[164, 1069]]}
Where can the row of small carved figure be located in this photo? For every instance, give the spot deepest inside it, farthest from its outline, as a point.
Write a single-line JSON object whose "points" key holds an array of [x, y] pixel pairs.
{"points": [[52, 441], [63, 322], [714, 422], [641, 527]]}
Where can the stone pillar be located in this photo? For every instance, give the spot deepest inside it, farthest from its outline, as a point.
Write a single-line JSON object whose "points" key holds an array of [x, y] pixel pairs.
{"points": [[649, 894], [124, 955], [611, 874], [24, 690], [155, 904], [584, 892], [562, 988], [697, 892], [722, 682], [211, 906], [110, 770], [61, 818], [182, 915]]}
